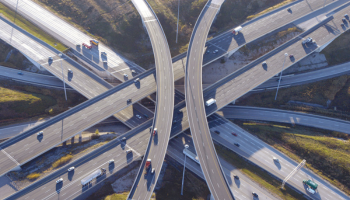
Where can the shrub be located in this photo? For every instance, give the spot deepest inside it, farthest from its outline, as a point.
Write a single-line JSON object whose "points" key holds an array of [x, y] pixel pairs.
{"points": [[33, 176], [63, 160]]}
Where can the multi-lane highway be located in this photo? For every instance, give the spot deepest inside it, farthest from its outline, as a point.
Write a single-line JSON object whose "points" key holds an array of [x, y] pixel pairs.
{"points": [[209, 162], [285, 116], [262, 155], [71, 36], [183, 110], [145, 181]]}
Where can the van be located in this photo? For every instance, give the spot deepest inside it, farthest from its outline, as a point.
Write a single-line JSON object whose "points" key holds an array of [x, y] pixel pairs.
{"points": [[237, 30]]}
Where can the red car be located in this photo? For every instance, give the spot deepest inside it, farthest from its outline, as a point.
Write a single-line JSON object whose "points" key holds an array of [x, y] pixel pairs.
{"points": [[234, 134], [87, 46]]}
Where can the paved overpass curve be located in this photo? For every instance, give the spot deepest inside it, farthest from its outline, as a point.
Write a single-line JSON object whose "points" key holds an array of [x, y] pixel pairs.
{"points": [[209, 162], [145, 181], [285, 116]]}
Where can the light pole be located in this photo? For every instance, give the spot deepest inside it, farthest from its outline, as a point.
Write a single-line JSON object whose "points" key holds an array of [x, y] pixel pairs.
{"points": [[183, 174], [178, 13], [64, 84], [279, 81]]}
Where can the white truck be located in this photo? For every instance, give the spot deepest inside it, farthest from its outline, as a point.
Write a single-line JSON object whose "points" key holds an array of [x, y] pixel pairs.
{"points": [[191, 155], [210, 102], [237, 30], [92, 176]]}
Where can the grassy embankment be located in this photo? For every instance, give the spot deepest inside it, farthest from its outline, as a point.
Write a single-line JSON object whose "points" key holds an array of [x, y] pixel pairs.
{"points": [[31, 28], [325, 155], [258, 175], [19, 102], [117, 23]]}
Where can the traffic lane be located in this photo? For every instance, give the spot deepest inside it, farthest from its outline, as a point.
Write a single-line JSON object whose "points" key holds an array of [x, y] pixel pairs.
{"points": [[261, 154], [20, 41], [242, 187], [307, 77], [286, 117], [134, 115], [77, 121], [164, 111], [30, 77], [65, 32], [71, 180], [250, 32], [12, 130], [194, 97], [240, 83]]}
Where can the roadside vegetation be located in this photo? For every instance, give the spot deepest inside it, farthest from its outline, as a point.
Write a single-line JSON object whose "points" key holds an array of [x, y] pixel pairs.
{"points": [[258, 175], [117, 23], [19, 101], [62, 161], [30, 28], [335, 91], [326, 153]]}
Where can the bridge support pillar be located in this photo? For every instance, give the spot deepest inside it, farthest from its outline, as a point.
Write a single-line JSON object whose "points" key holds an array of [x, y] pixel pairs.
{"points": [[80, 138], [72, 140], [64, 143]]}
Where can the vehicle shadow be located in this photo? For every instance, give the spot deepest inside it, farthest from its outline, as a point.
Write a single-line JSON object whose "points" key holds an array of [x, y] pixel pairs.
{"points": [[70, 76], [237, 182], [70, 175], [278, 165], [40, 137], [59, 187]]}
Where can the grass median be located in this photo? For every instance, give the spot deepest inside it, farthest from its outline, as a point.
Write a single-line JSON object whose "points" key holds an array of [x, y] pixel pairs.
{"points": [[258, 175], [326, 153], [31, 28]]}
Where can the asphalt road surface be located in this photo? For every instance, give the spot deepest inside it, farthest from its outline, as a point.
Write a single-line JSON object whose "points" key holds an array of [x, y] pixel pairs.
{"points": [[145, 181], [262, 155], [285, 116], [70, 36], [209, 162]]}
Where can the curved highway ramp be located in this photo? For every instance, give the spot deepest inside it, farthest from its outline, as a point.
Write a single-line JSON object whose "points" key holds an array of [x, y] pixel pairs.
{"points": [[160, 132], [209, 162]]}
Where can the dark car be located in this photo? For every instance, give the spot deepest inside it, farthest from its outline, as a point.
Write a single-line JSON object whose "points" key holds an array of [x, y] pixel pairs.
{"points": [[235, 134], [346, 16], [344, 21], [217, 132], [208, 51], [255, 194], [236, 177], [236, 144]]}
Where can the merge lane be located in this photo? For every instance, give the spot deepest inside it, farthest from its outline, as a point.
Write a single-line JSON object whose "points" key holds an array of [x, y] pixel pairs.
{"points": [[204, 146]]}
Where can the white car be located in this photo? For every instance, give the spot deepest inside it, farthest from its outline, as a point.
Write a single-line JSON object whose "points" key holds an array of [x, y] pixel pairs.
{"points": [[275, 159], [215, 51], [59, 180], [40, 133], [138, 116], [104, 53], [70, 71], [128, 151], [311, 191], [125, 75], [152, 170], [307, 40], [71, 169], [111, 161]]}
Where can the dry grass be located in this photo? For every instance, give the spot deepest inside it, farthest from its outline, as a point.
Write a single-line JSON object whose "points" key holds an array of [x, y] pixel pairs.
{"points": [[33, 176], [338, 51], [62, 161], [31, 28]]}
